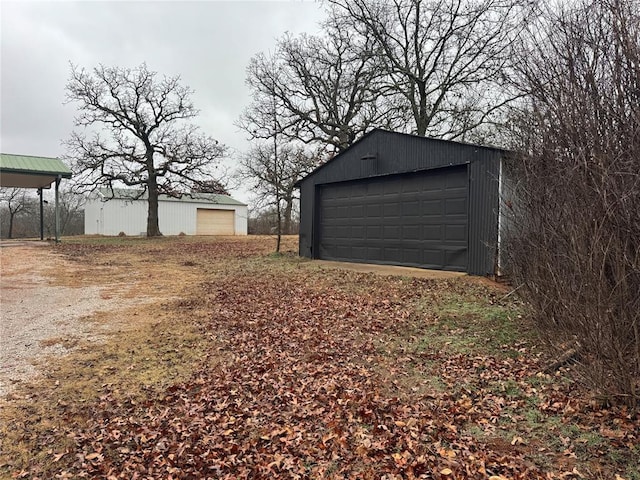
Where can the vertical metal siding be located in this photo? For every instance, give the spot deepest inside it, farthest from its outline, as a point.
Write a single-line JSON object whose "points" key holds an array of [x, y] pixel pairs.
{"points": [[483, 212], [175, 217], [91, 217], [118, 216], [242, 216], [305, 237]]}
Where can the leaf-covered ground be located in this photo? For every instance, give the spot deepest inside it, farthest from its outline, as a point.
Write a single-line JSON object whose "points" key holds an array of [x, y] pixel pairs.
{"points": [[275, 367]]}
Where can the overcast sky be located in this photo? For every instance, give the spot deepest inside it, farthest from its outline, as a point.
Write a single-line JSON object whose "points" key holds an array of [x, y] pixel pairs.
{"points": [[207, 43]]}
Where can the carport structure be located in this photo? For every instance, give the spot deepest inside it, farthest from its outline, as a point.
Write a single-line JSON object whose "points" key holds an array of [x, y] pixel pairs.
{"points": [[26, 171]]}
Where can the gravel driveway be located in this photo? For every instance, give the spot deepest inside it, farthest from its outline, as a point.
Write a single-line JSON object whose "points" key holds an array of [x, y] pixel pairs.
{"points": [[38, 318]]}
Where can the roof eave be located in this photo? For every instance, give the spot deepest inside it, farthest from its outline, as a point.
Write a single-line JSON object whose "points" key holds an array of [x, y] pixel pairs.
{"points": [[36, 172]]}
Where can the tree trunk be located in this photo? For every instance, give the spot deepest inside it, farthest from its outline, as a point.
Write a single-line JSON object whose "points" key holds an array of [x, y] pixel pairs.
{"points": [[286, 228], [153, 228], [421, 120], [11, 215]]}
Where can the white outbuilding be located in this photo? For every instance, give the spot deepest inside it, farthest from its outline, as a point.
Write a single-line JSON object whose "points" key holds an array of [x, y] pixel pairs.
{"points": [[124, 211]]}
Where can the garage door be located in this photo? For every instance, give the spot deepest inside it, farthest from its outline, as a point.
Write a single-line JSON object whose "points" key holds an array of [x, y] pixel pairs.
{"points": [[215, 222], [417, 219]]}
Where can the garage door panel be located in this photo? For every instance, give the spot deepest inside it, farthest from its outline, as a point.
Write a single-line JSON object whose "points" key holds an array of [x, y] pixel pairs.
{"points": [[373, 210], [414, 185], [456, 182], [412, 256], [215, 222], [392, 209], [360, 190], [357, 211], [411, 232], [432, 232], [457, 258], [431, 208], [417, 219], [411, 208], [337, 232], [391, 252], [432, 258], [374, 232], [456, 206], [455, 233], [392, 231]]}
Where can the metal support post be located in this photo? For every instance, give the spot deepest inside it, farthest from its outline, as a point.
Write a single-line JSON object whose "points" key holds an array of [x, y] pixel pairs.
{"points": [[41, 214], [58, 178]]}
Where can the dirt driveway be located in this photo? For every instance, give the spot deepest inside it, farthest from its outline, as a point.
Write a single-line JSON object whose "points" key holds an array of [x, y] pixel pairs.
{"points": [[49, 304]]}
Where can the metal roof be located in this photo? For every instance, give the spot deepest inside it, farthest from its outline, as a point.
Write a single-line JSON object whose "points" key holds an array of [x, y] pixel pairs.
{"points": [[27, 171], [399, 137], [133, 194]]}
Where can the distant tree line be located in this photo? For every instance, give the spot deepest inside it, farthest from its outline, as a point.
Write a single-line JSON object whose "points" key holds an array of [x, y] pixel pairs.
{"points": [[263, 221], [20, 213]]}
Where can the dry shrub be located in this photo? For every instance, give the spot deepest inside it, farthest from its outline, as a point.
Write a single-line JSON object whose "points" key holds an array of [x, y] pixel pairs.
{"points": [[574, 190]]}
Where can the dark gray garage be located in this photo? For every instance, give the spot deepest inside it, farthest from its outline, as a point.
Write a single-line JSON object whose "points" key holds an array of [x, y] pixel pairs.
{"points": [[400, 199]]}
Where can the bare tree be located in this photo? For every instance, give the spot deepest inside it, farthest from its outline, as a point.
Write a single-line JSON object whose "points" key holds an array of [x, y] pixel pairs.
{"points": [[70, 213], [263, 220], [17, 202], [275, 179], [444, 59], [327, 89], [148, 145], [574, 226], [210, 186]]}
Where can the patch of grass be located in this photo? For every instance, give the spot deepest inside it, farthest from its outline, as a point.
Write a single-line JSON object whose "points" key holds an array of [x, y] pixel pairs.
{"points": [[470, 324], [510, 389], [549, 434], [115, 240]]}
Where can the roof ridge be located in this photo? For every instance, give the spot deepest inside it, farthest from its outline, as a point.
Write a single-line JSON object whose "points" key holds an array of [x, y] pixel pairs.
{"points": [[32, 156]]}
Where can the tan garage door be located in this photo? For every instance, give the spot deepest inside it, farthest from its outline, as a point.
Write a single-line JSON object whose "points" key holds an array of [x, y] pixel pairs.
{"points": [[215, 222]]}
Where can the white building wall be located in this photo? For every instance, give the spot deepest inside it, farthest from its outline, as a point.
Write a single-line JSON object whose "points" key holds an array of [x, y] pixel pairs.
{"points": [[130, 216], [91, 217], [115, 216], [176, 217], [242, 220]]}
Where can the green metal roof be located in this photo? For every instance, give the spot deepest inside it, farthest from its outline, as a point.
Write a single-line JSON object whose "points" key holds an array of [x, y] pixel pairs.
{"points": [[27, 171], [133, 194], [36, 165]]}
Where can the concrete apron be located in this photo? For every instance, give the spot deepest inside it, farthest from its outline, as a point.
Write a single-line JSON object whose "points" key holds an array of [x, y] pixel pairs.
{"points": [[390, 270]]}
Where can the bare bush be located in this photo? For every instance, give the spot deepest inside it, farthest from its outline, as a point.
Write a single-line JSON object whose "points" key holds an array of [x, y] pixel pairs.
{"points": [[574, 226]]}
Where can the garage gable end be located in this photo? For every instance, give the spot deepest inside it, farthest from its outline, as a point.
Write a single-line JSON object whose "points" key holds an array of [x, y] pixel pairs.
{"points": [[381, 152]]}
